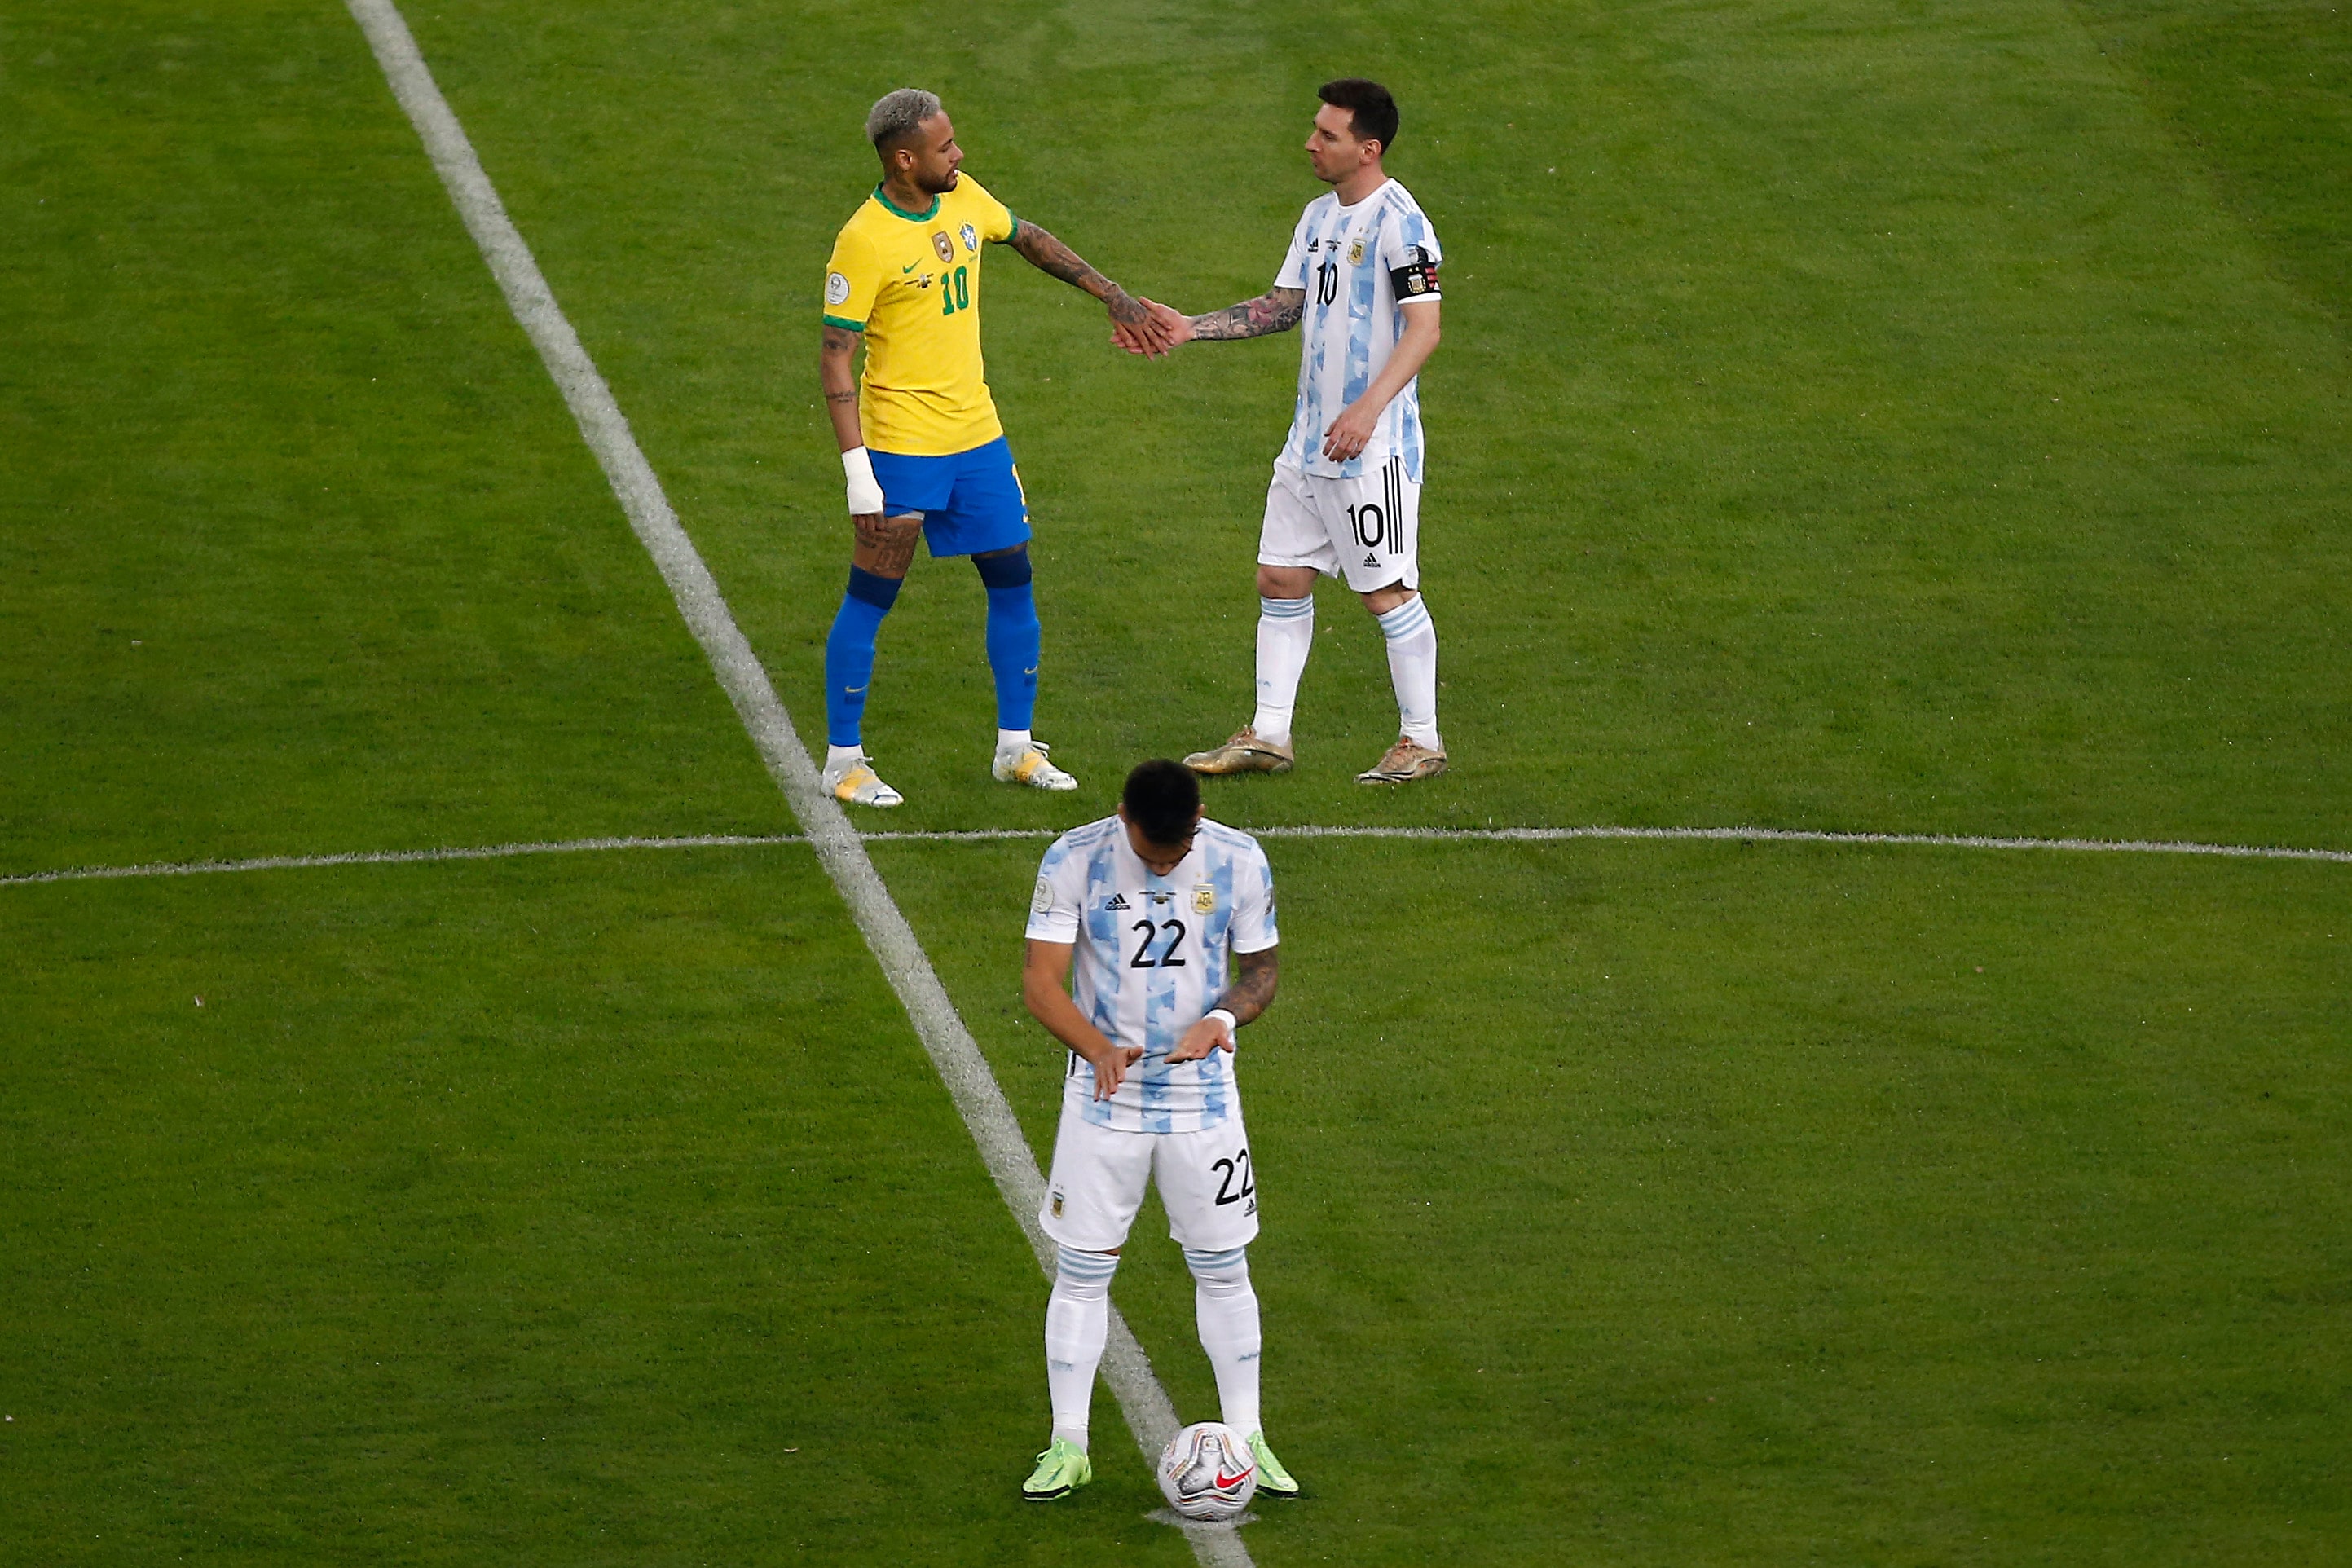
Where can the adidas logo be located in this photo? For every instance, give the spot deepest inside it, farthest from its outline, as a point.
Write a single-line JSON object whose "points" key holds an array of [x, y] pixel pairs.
{"points": [[1117, 901], [1370, 560]]}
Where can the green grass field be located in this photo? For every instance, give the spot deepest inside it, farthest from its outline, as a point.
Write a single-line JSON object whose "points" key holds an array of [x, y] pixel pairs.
{"points": [[1930, 419]]}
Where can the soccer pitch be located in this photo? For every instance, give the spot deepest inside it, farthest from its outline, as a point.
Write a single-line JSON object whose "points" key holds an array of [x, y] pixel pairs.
{"points": [[1852, 418]]}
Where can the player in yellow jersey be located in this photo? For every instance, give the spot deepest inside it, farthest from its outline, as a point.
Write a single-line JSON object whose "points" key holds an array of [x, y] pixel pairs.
{"points": [[920, 443]]}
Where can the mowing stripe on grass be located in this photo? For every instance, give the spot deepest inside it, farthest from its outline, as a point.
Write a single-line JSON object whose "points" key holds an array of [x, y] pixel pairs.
{"points": [[998, 835], [977, 1099]]}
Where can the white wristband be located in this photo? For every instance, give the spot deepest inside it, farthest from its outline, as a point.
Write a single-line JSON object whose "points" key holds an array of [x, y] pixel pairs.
{"points": [[1231, 1023], [864, 490]]}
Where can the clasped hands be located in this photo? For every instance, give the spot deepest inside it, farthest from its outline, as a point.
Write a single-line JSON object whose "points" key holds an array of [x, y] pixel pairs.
{"points": [[1139, 327]]}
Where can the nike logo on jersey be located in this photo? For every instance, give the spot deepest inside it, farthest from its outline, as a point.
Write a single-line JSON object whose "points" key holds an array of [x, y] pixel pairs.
{"points": [[909, 267]]}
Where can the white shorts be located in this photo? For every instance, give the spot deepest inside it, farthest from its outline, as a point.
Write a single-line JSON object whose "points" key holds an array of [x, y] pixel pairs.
{"points": [[1366, 530], [1205, 1183]]}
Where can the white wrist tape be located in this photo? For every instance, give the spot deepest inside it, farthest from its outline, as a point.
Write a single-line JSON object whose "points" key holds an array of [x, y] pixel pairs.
{"points": [[864, 490], [1232, 1025]]}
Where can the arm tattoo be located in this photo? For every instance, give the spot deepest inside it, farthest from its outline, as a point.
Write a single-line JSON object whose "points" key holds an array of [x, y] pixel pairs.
{"points": [[839, 341], [1253, 991], [1051, 256], [1276, 310]]}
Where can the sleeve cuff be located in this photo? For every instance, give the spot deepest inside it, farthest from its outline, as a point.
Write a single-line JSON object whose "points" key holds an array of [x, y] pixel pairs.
{"points": [[844, 325]]}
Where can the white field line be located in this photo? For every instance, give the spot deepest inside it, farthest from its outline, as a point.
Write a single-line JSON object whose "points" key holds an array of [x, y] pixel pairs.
{"points": [[1706, 835], [1149, 1414], [396, 857], [995, 834]]}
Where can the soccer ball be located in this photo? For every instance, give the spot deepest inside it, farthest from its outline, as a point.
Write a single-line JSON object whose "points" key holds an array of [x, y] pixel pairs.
{"points": [[1208, 1473]]}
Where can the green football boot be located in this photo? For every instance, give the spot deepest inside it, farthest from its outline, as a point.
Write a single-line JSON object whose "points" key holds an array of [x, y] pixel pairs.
{"points": [[1273, 1480], [1061, 1469]]}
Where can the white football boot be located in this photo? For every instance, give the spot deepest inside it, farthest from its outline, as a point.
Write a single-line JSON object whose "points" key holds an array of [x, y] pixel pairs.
{"points": [[855, 783], [1027, 765]]}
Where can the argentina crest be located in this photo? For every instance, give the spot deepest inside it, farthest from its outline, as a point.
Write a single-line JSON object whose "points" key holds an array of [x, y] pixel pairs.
{"points": [[1204, 897]]}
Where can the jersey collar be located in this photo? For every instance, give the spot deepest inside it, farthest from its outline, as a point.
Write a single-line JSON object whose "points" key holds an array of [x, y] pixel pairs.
{"points": [[1153, 879], [924, 216]]}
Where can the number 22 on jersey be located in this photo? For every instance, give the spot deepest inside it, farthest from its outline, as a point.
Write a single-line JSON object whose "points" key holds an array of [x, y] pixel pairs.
{"points": [[1150, 930]]}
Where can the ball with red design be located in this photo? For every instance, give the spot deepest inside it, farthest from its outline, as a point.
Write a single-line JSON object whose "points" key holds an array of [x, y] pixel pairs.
{"points": [[1208, 1472]]}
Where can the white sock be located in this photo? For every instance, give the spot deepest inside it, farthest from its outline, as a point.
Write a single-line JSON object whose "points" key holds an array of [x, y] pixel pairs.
{"points": [[839, 759], [1077, 1324], [1226, 1308], [1285, 635], [1412, 668], [1012, 740]]}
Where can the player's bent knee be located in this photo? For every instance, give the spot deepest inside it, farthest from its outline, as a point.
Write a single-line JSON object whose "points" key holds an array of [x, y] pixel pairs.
{"points": [[1285, 582], [1229, 1268], [1003, 568], [1381, 601], [1085, 1274], [874, 588]]}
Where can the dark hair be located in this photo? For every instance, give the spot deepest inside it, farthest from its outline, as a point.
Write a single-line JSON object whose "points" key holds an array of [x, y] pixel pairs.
{"points": [[1371, 112], [1162, 799]]}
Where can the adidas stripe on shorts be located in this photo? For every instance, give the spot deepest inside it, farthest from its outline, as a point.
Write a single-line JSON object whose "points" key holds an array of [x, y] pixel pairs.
{"points": [[1366, 528]]}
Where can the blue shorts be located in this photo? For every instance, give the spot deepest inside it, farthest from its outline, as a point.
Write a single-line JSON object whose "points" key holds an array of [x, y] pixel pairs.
{"points": [[970, 502]]}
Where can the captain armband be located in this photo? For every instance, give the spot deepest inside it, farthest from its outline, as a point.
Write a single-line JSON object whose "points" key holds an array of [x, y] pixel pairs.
{"points": [[1416, 279]]}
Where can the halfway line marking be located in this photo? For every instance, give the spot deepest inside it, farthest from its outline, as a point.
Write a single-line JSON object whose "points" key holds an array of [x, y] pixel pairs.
{"points": [[977, 1099], [997, 834], [1717, 834], [396, 857]]}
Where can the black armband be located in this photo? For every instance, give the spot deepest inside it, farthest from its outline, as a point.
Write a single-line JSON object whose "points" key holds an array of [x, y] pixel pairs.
{"points": [[1414, 280]]}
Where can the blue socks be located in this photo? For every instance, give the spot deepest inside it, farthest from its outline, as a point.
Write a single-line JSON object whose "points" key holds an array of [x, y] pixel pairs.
{"points": [[850, 653], [1014, 638], [1013, 643]]}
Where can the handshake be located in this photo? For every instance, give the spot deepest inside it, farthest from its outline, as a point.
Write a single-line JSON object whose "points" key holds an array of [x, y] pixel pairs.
{"points": [[1147, 327]]}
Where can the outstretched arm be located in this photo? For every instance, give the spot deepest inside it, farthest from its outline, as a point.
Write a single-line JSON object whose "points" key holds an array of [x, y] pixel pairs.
{"points": [[1276, 310], [1132, 326], [1250, 995]]}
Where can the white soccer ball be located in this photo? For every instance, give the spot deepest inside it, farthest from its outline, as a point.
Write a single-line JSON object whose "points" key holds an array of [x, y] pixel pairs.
{"points": [[1208, 1473]]}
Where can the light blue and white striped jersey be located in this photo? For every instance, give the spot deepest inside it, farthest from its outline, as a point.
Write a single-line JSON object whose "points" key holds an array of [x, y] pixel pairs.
{"points": [[1153, 954], [1346, 259]]}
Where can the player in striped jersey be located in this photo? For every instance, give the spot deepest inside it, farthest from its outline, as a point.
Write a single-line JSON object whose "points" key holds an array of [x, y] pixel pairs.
{"points": [[1154, 906], [1361, 275]]}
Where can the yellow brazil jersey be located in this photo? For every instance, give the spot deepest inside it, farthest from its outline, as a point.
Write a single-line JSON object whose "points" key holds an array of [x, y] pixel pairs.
{"points": [[910, 282]]}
